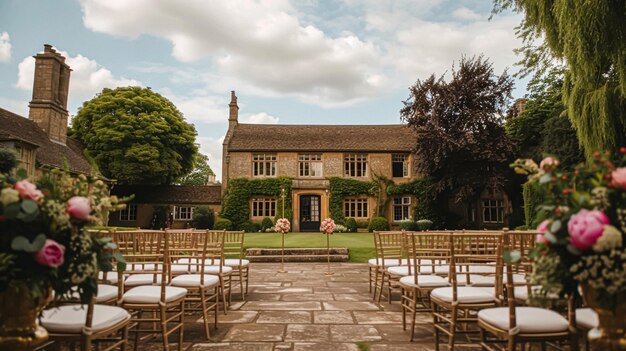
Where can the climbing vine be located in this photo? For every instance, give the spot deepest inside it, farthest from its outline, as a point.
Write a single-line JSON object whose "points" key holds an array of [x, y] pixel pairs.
{"points": [[341, 187], [425, 207], [236, 204]]}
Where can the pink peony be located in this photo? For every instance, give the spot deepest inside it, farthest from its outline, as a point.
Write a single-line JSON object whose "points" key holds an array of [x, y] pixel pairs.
{"points": [[327, 226], [542, 228], [586, 227], [51, 254], [548, 162], [28, 190], [79, 207], [619, 177]]}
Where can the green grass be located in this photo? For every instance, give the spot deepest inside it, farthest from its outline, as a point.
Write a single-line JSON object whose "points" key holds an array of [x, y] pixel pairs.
{"points": [[360, 245]]}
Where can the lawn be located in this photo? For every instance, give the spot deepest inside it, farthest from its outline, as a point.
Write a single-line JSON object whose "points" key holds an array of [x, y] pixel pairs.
{"points": [[360, 245]]}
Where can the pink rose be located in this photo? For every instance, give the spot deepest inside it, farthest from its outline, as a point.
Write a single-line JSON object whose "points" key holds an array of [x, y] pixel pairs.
{"points": [[79, 207], [586, 227], [619, 177], [542, 228], [51, 254], [28, 190], [548, 162]]}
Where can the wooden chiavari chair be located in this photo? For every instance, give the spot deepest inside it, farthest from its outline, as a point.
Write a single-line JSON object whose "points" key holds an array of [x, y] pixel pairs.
{"points": [[234, 258], [214, 264], [514, 325], [429, 254], [147, 255], [391, 246], [474, 257]]}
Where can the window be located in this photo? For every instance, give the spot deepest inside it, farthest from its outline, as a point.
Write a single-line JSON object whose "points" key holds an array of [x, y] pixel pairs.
{"points": [[310, 165], [264, 165], [355, 165], [400, 165], [493, 211], [355, 208], [129, 213], [263, 207], [401, 208], [183, 213], [26, 159]]}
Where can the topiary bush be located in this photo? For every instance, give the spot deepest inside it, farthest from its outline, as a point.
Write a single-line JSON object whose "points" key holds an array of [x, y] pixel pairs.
{"points": [[378, 224], [424, 224], [249, 227], [223, 224], [266, 223], [8, 160], [362, 224], [351, 225], [408, 225], [203, 218]]}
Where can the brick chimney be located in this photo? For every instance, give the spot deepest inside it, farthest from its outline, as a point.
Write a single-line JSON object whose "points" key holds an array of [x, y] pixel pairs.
{"points": [[233, 110], [48, 107]]}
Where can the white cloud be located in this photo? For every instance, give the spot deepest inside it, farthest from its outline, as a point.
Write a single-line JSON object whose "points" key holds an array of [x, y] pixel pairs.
{"points": [[467, 14], [200, 107], [212, 147], [259, 118], [259, 44], [15, 106], [5, 47], [87, 78]]}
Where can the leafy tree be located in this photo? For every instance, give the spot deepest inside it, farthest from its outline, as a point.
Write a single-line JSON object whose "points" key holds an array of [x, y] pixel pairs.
{"points": [[199, 175], [203, 218], [136, 136], [590, 37], [461, 143], [8, 160]]}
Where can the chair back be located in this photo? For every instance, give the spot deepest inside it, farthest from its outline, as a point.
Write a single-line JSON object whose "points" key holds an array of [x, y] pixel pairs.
{"points": [[391, 246], [428, 253], [215, 249], [521, 242], [233, 245], [185, 250]]}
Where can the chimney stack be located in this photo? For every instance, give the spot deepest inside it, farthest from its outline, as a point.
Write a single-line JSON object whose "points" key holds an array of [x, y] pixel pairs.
{"points": [[233, 115], [48, 107]]}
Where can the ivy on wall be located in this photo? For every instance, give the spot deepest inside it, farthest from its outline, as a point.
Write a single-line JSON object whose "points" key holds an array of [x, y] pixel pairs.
{"points": [[532, 200], [236, 203], [425, 207], [342, 187]]}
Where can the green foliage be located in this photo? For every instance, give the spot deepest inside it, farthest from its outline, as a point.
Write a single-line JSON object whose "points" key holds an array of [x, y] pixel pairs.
{"points": [[533, 197], [426, 206], [341, 187], [408, 225], [424, 224], [203, 218], [266, 224], [159, 218], [199, 175], [351, 225], [250, 227], [223, 224], [378, 224], [8, 160], [362, 224], [236, 203], [136, 136]]}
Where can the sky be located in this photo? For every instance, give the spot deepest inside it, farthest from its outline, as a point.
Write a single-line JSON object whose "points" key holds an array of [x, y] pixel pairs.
{"points": [[289, 61]]}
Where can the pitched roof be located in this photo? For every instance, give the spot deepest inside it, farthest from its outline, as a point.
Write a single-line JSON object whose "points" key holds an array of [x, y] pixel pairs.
{"points": [[49, 153], [171, 194], [364, 138]]}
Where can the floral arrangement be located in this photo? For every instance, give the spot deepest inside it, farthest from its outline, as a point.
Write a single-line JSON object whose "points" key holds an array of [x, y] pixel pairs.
{"points": [[340, 228], [327, 226], [581, 238], [282, 226], [44, 243]]}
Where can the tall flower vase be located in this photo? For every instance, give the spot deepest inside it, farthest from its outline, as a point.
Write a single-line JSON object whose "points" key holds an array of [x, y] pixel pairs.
{"points": [[282, 255], [610, 335], [18, 319], [328, 271]]}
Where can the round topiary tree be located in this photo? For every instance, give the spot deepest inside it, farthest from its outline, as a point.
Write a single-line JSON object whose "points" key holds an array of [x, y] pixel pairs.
{"points": [[378, 224], [266, 224], [223, 224], [351, 225], [136, 136]]}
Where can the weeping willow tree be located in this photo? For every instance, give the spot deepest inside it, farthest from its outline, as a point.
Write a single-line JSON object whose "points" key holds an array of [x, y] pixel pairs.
{"points": [[590, 38]]}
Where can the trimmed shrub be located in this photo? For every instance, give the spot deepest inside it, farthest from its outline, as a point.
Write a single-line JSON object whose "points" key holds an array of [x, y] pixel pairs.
{"points": [[266, 223], [223, 224], [351, 225], [424, 224], [378, 224], [203, 218], [362, 224], [8, 160], [408, 225], [249, 227]]}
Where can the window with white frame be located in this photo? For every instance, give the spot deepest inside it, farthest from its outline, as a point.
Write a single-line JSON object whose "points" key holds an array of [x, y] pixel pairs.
{"points": [[129, 213], [355, 165], [263, 207], [264, 165], [310, 165], [183, 213], [355, 208], [401, 208], [493, 211], [400, 165]]}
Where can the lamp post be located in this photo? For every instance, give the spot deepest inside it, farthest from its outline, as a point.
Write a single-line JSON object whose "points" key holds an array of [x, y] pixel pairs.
{"points": [[282, 234]]}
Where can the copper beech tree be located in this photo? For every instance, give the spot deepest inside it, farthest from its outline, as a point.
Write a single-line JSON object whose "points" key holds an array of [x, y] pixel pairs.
{"points": [[461, 143]]}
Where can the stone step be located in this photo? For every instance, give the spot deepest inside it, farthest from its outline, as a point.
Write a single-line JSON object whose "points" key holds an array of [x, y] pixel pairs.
{"points": [[299, 258], [337, 254]]}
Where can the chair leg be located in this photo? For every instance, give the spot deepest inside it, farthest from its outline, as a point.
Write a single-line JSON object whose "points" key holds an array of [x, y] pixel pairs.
{"points": [[124, 338], [216, 296], [247, 270], [243, 297], [181, 330], [389, 288], [138, 326], [375, 282], [370, 278], [453, 317], [403, 298], [205, 316], [223, 293], [413, 313], [163, 312], [380, 289]]}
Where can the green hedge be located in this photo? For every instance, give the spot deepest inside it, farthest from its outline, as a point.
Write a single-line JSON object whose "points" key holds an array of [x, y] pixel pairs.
{"points": [[342, 187], [236, 204], [378, 224], [426, 207], [223, 224], [532, 200]]}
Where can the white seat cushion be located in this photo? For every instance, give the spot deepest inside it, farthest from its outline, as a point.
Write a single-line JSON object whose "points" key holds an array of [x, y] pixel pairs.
{"points": [[142, 279], [152, 294], [111, 277], [465, 294], [399, 270], [234, 262], [388, 262], [439, 269], [71, 319], [424, 281], [475, 268], [586, 318], [106, 293], [528, 319], [193, 280], [521, 292], [216, 269]]}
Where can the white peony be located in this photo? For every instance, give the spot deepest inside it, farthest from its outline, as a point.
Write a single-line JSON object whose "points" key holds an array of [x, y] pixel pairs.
{"points": [[9, 196], [610, 239]]}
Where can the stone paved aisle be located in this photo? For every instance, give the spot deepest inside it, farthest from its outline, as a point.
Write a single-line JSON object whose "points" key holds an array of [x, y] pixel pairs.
{"points": [[305, 310]]}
